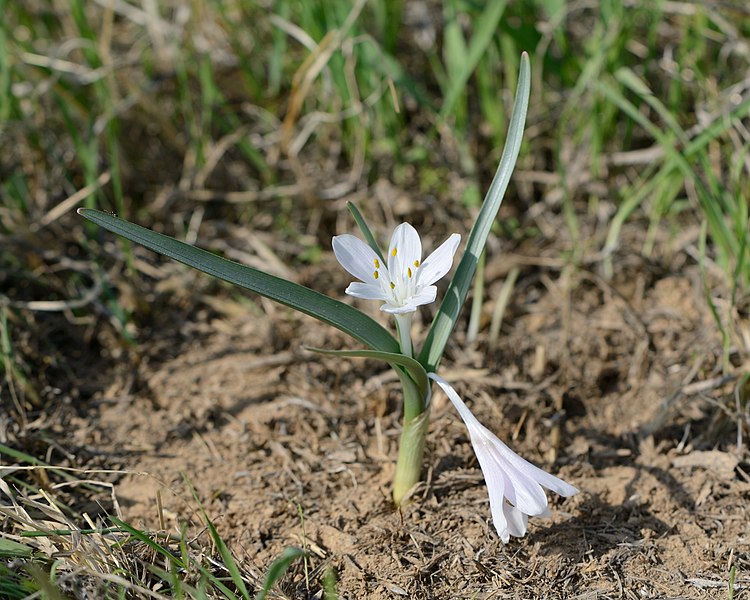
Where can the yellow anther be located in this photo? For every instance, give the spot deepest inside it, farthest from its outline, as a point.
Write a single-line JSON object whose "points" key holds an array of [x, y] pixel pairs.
{"points": [[377, 263], [416, 263], [376, 274], [408, 272], [393, 285], [394, 251]]}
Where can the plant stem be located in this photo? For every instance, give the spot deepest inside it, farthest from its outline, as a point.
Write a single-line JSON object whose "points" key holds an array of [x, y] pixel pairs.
{"points": [[403, 324], [411, 446], [410, 456]]}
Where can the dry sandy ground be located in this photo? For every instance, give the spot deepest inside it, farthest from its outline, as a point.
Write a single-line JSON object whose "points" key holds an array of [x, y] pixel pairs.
{"points": [[614, 386]]}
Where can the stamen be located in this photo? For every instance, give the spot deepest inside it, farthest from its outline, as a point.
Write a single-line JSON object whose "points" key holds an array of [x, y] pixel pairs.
{"points": [[393, 252], [376, 274], [393, 285], [416, 263], [408, 272], [377, 263]]}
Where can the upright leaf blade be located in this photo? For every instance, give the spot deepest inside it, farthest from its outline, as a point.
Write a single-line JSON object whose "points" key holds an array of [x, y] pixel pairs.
{"points": [[363, 227], [448, 312], [483, 36], [340, 315]]}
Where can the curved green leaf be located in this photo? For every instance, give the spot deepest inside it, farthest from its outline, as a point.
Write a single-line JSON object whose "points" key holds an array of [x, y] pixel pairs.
{"points": [[278, 568], [412, 367], [340, 315], [447, 314]]}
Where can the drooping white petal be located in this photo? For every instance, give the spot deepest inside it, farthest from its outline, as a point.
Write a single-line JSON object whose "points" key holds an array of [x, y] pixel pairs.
{"points": [[515, 519], [514, 484], [437, 264], [544, 479], [495, 480], [367, 291], [523, 491], [356, 256]]}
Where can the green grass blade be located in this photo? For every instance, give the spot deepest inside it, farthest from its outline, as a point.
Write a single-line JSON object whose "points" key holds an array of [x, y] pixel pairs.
{"points": [[12, 549], [448, 312], [48, 589], [221, 545], [31, 460], [277, 570], [485, 32], [179, 561], [674, 159], [144, 538], [340, 315]]}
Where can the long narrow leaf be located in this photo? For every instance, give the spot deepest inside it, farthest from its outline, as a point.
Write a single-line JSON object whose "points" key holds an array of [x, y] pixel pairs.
{"points": [[415, 370], [447, 314], [363, 227], [221, 545], [278, 568], [485, 32], [340, 315]]}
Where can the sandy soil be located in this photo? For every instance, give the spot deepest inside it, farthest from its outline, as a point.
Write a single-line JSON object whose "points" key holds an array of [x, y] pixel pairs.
{"points": [[613, 385]]}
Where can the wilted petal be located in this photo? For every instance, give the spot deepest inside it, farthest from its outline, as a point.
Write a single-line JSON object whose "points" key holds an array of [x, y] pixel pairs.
{"points": [[356, 257], [544, 479], [437, 264], [516, 520], [514, 484], [521, 490]]}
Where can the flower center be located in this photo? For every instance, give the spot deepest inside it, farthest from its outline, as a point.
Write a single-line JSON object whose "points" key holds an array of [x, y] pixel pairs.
{"points": [[397, 280]]}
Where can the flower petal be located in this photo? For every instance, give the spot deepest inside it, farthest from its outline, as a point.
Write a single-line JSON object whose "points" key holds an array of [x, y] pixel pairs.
{"points": [[437, 264], [425, 295], [516, 520], [405, 249], [368, 291], [541, 476], [395, 309], [514, 484], [496, 489], [522, 490], [356, 257]]}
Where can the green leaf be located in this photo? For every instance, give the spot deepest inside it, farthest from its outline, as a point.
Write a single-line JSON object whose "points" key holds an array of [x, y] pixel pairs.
{"points": [[226, 555], [340, 315], [462, 67], [278, 568], [12, 549], [447, 314], [412, 367], [362, 224]]}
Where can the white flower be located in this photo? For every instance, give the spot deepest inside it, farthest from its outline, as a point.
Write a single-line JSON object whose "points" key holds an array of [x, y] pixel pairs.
{"points": [[405, 282], [514, 484]]}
